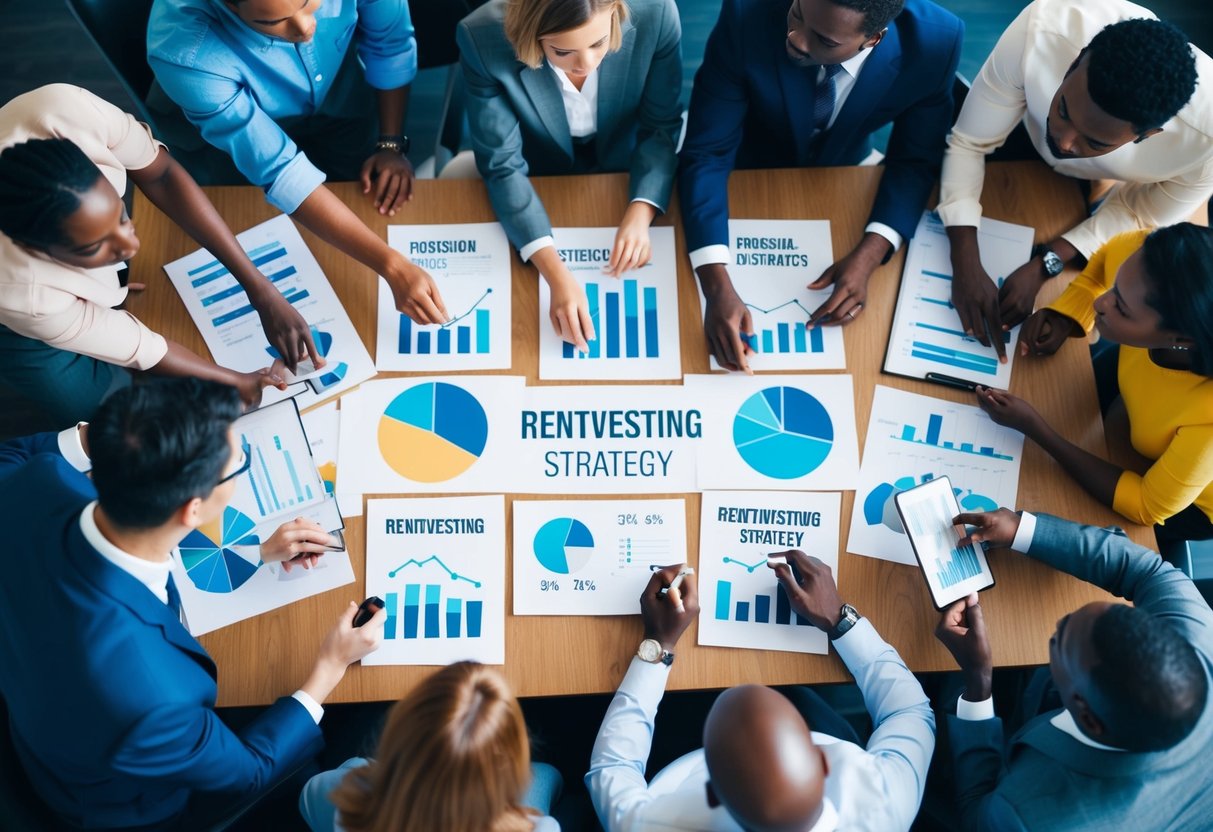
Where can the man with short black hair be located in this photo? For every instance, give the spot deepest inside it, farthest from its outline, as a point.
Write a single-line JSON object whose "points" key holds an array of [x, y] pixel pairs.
{"points": [[805, 83], [1118, 730], [1105, 92], [110, 699]]}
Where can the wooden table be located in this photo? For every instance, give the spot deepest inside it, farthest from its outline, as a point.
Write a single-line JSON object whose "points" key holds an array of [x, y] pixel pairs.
{"points": [[267, 656]]}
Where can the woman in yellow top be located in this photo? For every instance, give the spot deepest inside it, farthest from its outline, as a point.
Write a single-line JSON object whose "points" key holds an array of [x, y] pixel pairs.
{"points": [[1151, 293]]}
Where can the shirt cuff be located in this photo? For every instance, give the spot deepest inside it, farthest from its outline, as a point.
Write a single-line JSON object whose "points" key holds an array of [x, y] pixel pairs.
{"points": [[313, 707], [974, 711], [528, 251], [72, 449], [1025, 532], [888, 233], [710, 254], [645, 682], [294, 183], [860, 644], [660, 210]]}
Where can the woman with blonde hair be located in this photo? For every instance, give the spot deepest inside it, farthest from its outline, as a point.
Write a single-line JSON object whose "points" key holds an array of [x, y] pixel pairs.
{"points": [[573, 86], [454, 756]]}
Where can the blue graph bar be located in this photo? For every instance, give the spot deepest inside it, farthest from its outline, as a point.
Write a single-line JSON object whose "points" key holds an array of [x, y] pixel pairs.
{"points": [[568, 349], [412, 609], [1006, 336], [444, 342], [612, 324], [784, 344], [474, 611], [482, 331], [743, 610], [798, 337], [591, 296], [290, 467], [423, 342], [933, 426], [404, 342], [463, 338], [233, 315], [768, 341], [724, 592], [940, 275], [298, 296], [783, 607], [254, 255], [817, 340], [262, 259], [454, 613], [650, 322], [253, 482], [942, 354], [762, 609], [631, 320], [282, 275], [907, 433], [389, 623], [268, 482], [433, 596], [211, 300]]}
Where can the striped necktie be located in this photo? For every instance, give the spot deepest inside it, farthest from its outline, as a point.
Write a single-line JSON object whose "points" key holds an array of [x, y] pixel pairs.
{"points": [[823, 101]]}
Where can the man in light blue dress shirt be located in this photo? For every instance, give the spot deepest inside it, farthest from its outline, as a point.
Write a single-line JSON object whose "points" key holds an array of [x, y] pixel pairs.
{"points": [[258, 78], [761, 768]]}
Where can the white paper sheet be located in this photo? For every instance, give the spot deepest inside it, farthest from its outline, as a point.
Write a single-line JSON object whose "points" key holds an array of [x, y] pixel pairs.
{"points": [[927, 336], [592, 557], [912, 439], [741, 603], [439, 565], [635, 316], [773, 263], [791, 433], [471, 265], [232, 329]]}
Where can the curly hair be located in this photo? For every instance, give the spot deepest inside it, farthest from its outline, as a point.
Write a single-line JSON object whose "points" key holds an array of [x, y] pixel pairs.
{"points": [[1140, 71], [877, 14]]}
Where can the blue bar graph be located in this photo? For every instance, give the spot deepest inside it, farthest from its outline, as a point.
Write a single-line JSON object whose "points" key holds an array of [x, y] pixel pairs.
{"points": [[743, 610], [727, 610], [433, 595], [724, 591], [389, 623], [935, 433], [618, 330], [454, 607], [475, 613], [470, 338], [787, 338], [934, 519], [650, 322], [412, 609], [762, 609], [444, 341], [461, 618]]}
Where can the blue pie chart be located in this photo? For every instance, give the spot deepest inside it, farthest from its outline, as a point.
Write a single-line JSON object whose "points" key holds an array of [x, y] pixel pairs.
{"points": [[563, 545], [783, 433]]}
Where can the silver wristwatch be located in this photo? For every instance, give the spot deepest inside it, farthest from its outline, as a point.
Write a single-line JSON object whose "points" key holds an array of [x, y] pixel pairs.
{"points": [[651, 651], [849, 618], [1053, 264]]}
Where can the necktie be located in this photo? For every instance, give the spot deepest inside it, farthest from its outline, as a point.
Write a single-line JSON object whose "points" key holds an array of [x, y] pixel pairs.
{"points": [[823, 98], [174, 598]]}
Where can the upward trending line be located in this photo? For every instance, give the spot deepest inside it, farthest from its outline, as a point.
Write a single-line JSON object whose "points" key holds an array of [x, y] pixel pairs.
{"points": [[471, 309], [455, 576]]}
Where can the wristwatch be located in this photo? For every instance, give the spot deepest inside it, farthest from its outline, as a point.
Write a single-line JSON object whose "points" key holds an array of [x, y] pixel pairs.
{"points": [[399, 144], [1052, 261], [850, 617], [651, 651]]}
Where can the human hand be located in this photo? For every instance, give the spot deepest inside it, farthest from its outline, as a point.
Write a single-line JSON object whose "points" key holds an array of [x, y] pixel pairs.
{"points": [[299, 542], [994, 528], [725, 319], [962, 630], [632, 249], [344, 645], [251, 384], [568, 309], [1045, 331], [976, 302], [391, 175], [849, 277], [662, 619], [415, 293], [286, 330], [1018, 293], [1007, 410], [810, 588]]}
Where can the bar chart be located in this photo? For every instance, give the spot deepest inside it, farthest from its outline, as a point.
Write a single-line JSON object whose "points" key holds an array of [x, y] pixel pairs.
{"points": [[282, 476], [472, 337], [932, 520], [620, 336], [932, 437], [422, 613], [756, 609], [784, 337]]}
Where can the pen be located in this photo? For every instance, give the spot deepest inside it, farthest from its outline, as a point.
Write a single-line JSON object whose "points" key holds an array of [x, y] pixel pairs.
{"points": [[673, 592], [952, 381]]}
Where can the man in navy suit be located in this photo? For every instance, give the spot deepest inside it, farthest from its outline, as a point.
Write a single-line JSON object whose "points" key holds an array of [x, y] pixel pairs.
{"points": [[110, 700], [794, 83]]}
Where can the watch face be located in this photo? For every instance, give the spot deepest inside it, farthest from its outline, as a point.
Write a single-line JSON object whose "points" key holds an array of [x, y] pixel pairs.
{"points": [[1053, 264], [649, 651]]}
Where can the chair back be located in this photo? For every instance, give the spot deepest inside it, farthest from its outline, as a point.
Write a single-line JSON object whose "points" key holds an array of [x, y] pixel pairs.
{"points": [[118, 28], [434, 22]]}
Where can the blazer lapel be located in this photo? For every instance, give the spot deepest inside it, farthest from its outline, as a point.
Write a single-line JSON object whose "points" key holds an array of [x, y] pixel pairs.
{"points": [[614, 79], [541, 86], [875, 76], [799, 86], [1042, 735]]}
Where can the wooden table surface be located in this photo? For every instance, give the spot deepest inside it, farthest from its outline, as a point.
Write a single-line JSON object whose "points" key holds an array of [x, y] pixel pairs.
{"points": [[270, 655]]}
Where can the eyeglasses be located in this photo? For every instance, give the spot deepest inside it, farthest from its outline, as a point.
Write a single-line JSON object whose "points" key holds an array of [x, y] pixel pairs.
{"points": [[246, 463]]}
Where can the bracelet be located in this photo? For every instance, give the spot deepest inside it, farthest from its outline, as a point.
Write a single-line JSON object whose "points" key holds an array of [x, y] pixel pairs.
{"points": [[397, 144]]}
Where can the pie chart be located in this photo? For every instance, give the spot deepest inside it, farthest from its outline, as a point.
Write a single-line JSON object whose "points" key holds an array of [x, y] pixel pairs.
{"points": [[432, 432], [563, 545], [210, 564], [783, 433]]}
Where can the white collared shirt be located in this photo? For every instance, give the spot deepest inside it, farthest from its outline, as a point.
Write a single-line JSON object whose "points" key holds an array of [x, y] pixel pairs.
{"points": [[1065, 723], [152, 574], [72, 449], [580, 105]]}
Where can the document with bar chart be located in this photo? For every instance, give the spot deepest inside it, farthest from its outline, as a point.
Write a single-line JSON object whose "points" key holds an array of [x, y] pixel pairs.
{"points": [[927, 336], [914, 439], [583, 557], [231, 326], [773, 263], [471, 265], [438, 563], [635, 316], [741, 601]]}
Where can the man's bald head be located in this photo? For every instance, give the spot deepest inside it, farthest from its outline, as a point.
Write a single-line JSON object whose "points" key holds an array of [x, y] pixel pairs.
{"points": [[762, 763]]}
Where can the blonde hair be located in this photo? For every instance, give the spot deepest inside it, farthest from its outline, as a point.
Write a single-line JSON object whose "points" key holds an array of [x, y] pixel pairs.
{"points": [[454, 756], [526, 21]]}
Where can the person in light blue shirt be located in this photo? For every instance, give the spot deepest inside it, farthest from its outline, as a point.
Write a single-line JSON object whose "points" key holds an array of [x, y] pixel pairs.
{"points": [[761, 767], [281, 88]]}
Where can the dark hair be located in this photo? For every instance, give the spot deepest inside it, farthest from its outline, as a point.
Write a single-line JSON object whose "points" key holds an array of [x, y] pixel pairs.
{"points": [[877, 14], [156, 446], [1179, 266], [1150, 681], [41, 181], [1140, 71]]}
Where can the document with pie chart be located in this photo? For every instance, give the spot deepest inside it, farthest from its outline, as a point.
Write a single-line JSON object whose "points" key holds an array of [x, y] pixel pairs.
{"points": [[792, 433], [912, 439], [592, 557], [431, 435]]}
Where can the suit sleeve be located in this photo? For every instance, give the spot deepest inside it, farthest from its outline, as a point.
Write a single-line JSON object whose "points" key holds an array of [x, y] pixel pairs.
{"points": [[915, 151], [977, 766], [16, 452], [497, 142], [190, 746], [654, 161], [715, 124]]}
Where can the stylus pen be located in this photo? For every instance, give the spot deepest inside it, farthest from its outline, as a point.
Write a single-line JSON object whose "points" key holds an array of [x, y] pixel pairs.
{"points": [[952, 381], [673, 592]]}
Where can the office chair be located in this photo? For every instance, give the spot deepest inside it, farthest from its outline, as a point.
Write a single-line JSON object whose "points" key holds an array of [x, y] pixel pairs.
{"points": [[118, 28]]}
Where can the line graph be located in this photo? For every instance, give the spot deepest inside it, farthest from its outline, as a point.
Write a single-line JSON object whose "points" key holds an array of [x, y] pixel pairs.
{"points": [[749, 567], [455, 576], [471, 309]]}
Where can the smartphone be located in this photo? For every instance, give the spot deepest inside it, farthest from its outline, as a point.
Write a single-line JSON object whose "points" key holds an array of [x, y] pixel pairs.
{"points": [[367, 610], [952, 571]]}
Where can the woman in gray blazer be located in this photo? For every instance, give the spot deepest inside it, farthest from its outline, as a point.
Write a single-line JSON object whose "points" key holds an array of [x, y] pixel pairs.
{"points": [[573, 86]]}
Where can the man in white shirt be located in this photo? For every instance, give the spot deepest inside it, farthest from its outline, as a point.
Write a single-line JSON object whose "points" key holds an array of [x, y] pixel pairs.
{"points": [[1118, 729], [1105, 92], [762, 769], [110, 700]]}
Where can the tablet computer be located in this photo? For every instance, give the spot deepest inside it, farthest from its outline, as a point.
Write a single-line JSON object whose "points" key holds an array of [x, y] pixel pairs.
{"points": [[952, 570]]}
